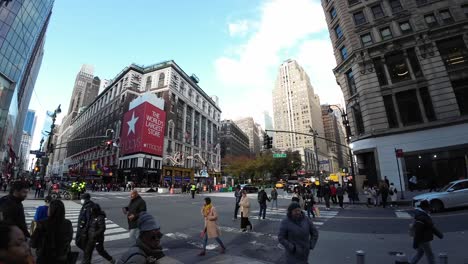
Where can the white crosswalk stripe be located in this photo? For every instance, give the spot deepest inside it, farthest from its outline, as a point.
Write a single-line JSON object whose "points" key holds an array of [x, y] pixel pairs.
{"points": [[402, 214], [113, 230], [277, 215]]}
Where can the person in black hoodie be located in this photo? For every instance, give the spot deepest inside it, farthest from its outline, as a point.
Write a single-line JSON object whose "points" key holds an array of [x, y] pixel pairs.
{"points": [[133, 210], [97, 227], [11, 206], [53, 236], [424, 231], [81, 238]]}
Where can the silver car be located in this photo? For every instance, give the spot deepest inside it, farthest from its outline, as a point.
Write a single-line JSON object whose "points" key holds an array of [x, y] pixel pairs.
{"points": [[454, 194]]}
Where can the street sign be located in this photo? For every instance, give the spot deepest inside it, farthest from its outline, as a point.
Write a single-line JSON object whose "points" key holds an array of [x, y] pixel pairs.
{"points": [[399, 153], [37, 153], [279, 155], [324, 162]]}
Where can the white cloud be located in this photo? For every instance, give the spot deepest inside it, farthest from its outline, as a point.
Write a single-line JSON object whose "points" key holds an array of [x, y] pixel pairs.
{"points": [[285, 28], [238, 28]]}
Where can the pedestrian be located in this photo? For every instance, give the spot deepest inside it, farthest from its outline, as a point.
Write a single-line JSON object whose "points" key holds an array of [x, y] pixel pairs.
{"points": [[351, 193], [375, 195], [333, 193], [244, 204], [11, 206], [340, 195], [262, 199], [193, 189], [14, 248], [38, 189], [386, 181], [319, 193], [211, 229], [384, 190], [368, 191], [309, 203], [298, 235], [96, 230], [53, 236], [326, 195], [84, 219], [134, 208], [274, 198], [41, 213], [237, 195], [413, 182], [393, 194], [147, 248], [423, 230]]}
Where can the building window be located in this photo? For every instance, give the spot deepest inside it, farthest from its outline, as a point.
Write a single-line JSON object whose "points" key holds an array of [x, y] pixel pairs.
{"points": [[385, 33], [344, 53], [358, 119], [333, 13], [453, 52], [148, 82], [408, 107], [405, 27], [427, 103], [161, 80], [390, 110], [413, 59], [465, 10], [430, 20], [359, 18], [366, 39], [380, 71], [339, 33], [353, 2], [446, 16], [377, 11], [351, 82], [396, 6], [397, 67], [460, 88]]}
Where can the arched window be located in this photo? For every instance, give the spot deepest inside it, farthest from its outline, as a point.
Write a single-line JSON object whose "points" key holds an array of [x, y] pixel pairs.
{"points": [[148, 82], [161, 80]]}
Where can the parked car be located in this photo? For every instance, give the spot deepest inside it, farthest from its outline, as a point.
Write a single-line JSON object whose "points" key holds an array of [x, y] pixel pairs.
{"points": [[454, 194], [249, 188]]}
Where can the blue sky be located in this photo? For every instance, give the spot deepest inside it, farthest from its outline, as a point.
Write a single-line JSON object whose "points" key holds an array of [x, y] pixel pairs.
{"points": [[233, 46]]}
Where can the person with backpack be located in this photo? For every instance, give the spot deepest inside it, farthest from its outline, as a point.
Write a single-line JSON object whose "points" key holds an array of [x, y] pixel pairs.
{"points": [[11, 206], [52, 237], [393, 195], [423, 231], [262, 201], [147, 248], [340, 195], [38, 189], [97, 227]]}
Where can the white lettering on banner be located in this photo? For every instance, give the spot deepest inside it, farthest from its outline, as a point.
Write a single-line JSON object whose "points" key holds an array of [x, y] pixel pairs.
{"points": [[154, 125], [153, 147]]}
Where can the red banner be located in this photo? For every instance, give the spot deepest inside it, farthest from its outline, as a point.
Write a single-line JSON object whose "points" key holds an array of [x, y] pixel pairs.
{"points": [[143, 130]]}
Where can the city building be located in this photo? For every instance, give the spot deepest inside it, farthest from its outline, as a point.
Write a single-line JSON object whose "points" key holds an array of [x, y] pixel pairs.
{"points": [[192, 119], [85, 90], [250, 128], [30, 122], [402, 67], [296, 108], [23, 27], [25, 147], [234, 142], [268, 123], [334, 132]]}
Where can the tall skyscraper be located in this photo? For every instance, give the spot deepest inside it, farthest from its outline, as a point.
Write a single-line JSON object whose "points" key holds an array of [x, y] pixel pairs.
{"points": [[85, 90], [297, 108], [30, 122], [334, 132], [268, 122], [250, 128], [402, 67], [23, 27]]}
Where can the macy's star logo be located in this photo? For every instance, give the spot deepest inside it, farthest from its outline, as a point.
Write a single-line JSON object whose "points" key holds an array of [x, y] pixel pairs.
{"points": [[131, 124]]}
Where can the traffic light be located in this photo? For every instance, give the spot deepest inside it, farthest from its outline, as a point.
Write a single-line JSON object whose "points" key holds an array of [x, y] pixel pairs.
{"points": [[270, 142], [109, 145], [267, 141], [36, 169]]}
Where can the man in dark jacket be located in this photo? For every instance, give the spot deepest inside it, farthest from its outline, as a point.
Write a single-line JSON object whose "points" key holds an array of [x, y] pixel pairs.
{"points": [[133, 210], [298, 235], [424, 231], [84, 219], [238, 195], [340, 195], [11, 206], [97, 227], [262, 199]]}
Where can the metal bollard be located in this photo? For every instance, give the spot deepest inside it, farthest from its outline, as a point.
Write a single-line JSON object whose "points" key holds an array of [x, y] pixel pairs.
{"points": [[401, 258], [443, 258], [360, 257]]}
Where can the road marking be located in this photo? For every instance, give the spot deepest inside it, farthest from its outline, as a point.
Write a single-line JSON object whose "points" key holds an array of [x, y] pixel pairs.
{"points": [[403, 214]]}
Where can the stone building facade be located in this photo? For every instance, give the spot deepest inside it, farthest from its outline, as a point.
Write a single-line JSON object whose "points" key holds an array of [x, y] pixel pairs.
{"points": [[403, 70]]}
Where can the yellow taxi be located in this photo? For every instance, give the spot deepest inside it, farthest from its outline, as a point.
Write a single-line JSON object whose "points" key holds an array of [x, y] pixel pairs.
{"points": [[279, 185]]}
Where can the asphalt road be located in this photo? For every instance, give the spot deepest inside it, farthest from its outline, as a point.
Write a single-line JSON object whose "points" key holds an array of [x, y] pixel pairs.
{"points": [[378, 231]]}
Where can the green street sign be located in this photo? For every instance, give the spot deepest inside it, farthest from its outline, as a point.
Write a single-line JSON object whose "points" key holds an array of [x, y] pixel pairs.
{"points": [[279, 155]]}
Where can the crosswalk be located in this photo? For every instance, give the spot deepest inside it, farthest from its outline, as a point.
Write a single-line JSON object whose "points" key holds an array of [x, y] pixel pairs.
{"points": [[277, 215], [402, 214], [113, 231]]}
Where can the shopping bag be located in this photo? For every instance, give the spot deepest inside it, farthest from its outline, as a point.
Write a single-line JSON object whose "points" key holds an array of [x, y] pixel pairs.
{"points": [[317, 211]]}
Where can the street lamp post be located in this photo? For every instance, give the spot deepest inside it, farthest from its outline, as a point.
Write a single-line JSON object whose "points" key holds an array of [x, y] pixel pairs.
{"points": [[344, 115]]}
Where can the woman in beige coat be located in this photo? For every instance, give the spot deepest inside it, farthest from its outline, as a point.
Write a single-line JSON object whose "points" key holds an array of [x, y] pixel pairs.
{"points": [[245, 210], [211, 229]]}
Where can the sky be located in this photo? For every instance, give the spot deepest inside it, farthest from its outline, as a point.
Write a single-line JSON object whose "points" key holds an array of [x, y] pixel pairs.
{"points": [[235, 47]]}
